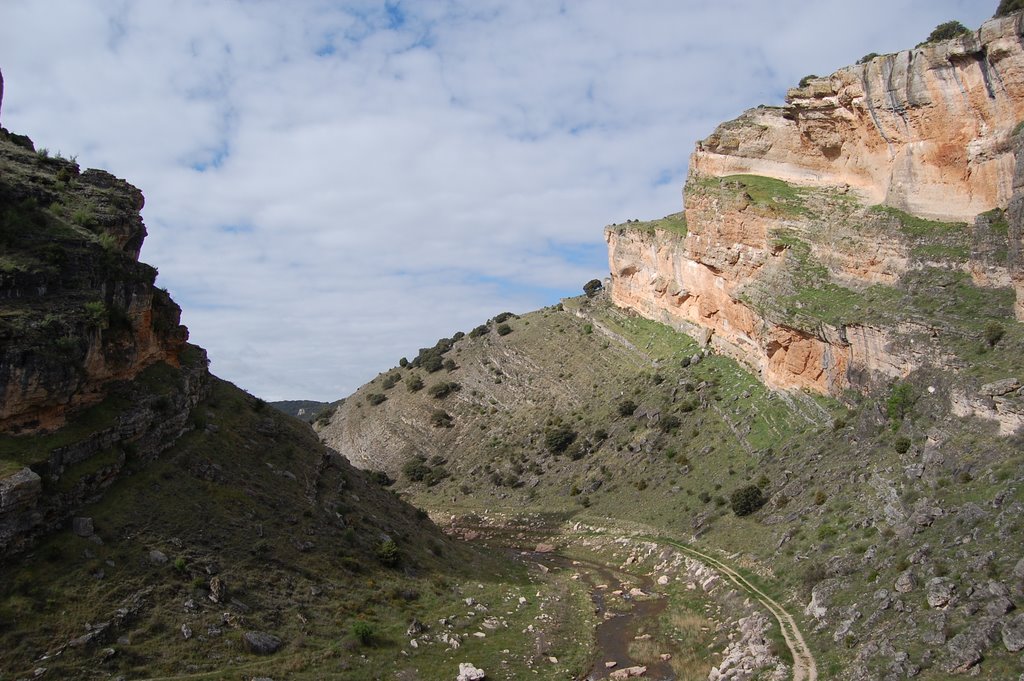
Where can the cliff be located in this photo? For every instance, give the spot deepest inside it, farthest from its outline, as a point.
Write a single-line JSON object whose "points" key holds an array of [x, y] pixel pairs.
{"points": [[95, 371], [854, 235]]}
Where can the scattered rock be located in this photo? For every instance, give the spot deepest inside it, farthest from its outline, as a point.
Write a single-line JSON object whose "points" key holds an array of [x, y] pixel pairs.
{"points": [[186, 631], [218, 590], [82, 527], [157, 557], [906, 582], [610, 664], [1013, 634], [261, 643], [941, 592], [627, 673], [544, 548], [663, 580], [415, 628], [467, 672]]}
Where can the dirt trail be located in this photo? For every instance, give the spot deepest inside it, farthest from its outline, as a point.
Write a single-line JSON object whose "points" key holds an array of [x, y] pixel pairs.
{"points": [[804, 666]]}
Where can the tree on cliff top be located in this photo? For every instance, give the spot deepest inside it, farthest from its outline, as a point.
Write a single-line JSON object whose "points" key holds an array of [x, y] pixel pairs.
{"points": [[1009, 7], [950, 29]]}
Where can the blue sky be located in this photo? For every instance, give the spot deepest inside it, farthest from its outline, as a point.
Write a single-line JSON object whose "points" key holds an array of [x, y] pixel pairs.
{"points": [[332, 185]]}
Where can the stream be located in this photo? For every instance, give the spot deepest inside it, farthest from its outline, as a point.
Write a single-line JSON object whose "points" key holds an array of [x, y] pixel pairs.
{"points": [[617, 629]]}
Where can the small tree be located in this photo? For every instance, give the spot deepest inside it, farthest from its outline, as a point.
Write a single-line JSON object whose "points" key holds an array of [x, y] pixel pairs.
{"points": [[626, 407], [994, 333], [388, 553], [503, 329], [747, 500], [946, 31]]}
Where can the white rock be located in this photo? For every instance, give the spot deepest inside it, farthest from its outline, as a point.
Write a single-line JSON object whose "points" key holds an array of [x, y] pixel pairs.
{"points": [[468, 672]]}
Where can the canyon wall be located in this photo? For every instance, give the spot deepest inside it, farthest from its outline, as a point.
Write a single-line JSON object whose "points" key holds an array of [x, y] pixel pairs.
{"points": [[805, 223], [924, 130]]}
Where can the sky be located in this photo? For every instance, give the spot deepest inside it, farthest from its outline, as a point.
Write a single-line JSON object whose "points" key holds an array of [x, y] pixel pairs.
{"points": [[332, 185]]}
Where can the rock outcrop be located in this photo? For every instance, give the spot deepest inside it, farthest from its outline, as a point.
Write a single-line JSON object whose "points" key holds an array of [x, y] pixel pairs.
{"points": [[94, 366], [924, 130], [809, 232]]}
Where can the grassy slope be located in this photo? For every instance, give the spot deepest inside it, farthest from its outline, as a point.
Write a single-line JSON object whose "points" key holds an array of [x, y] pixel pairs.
{"points": [[240, 498], [827, 466]]}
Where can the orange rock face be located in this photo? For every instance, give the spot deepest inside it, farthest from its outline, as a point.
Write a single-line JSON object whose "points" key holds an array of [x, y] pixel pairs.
{"points": [[924, 130], [927, 131]]}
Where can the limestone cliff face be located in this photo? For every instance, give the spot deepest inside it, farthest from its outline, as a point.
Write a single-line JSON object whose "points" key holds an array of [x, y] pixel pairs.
{"points": [[94, 366], [925, 130], [80, 311], [806, 252]]}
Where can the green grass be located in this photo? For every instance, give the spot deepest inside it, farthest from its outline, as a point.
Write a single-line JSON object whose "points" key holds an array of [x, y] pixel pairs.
{"points": [[916, 227], [674, 224], [767, 192]]}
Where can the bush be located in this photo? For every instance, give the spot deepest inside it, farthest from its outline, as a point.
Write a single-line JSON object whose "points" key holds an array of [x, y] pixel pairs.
{"points": [[388, 553], [867, 57], [592, 287], [504, 329], [432, 363], [558, 438], [902, 445], [439, 418], [479, 331], [381, 478], [363, 632], [806, 80], [504, 317], [373, 399], [1008, 7], [414, 383], [403, 362], [946, 31], [747, 500], [669, 424], [994, 332], [900, 401], [626, 407], [390, 381], [443, 389], [819, 498]]}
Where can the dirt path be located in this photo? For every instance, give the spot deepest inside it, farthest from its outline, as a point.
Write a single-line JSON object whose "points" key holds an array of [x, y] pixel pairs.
{"points": [[804, 666]]}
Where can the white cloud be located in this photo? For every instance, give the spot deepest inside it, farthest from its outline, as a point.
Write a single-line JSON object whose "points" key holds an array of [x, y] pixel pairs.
{"points": [[372, 184]]}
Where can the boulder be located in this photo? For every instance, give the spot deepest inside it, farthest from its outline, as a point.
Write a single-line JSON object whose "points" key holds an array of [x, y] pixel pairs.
{"points": [[82, 527], [1013, 634], [468, 672], [157, 557], [218, 590], [261, 643], [998, 388], [941, 592], [627, 673], [906, 582]]}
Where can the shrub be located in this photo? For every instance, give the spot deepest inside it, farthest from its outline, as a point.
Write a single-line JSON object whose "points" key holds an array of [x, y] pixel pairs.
{"points": [[900, 401], [381, 478], [403, 362], [867, 57], [946, 31], [504, 317], [416, 469], [432, 363], [449, 365], [414, 383], [1008, 7], [373, 399], [902, 445], [390, 381], [96, 313], [479, 331], [994, 333], [558, 438], [819, 498], [592, 287], [806, 80], [504, 329], [747, 500], [179, 564], [443, 389], [388, 553], [626, 407], [363, 632], [669, 424], [439, 418]]}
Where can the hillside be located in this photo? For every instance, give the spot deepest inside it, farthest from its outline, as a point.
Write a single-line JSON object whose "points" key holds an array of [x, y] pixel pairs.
{"points": [[814, 377], [158, 522]]}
